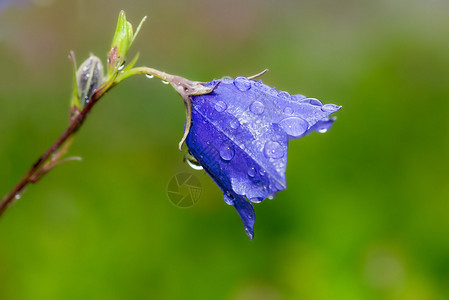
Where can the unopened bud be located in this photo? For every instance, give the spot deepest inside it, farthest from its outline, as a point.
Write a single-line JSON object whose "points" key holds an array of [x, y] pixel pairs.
{"points": [[89, 77]]}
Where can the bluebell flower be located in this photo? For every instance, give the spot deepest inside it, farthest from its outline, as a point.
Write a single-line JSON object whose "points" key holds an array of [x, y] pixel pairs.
{"points": [[239, 133]]}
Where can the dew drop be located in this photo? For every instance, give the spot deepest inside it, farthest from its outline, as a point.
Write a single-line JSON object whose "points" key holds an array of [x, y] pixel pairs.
{"points": [[294, 126], [248, 232], [234, 124], [252, 172], [164, 82], [262, 172], [284, 95], [149, 76], [19, 194], [227, 79], [227, 153], [242, 83], [257, 108], [288, 110], [228, 198], [273, 150], [194, 164], [220, 106], [312, 101], [122, 66], [329, 107], [255, 200], [322, 130], [298, 97]]}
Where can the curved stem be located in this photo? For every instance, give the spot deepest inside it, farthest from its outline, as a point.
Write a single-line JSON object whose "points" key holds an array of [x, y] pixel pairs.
{"points": [[49, 159], [36, 167], [144, 70]]}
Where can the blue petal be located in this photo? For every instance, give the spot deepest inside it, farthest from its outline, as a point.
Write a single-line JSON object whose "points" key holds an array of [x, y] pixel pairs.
{"points": [[240, 135], [244, 209]]}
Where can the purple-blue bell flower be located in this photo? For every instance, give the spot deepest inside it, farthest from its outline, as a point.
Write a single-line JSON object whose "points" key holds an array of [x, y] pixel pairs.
{"points": [[239, 134]]}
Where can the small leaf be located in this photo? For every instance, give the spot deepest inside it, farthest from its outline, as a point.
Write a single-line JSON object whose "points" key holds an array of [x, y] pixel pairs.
{"points": [[75, 101], [240, 132]]}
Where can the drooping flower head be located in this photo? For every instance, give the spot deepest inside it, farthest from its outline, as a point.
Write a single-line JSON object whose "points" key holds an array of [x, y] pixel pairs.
{"points": [[240, 132]]}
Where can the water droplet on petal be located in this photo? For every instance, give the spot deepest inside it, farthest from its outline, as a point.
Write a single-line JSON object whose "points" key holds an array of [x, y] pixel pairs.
{"points": [[284, 95], [273, 150], [149, 76], [294, 126], [164, 82], [228, 198], [262, 172], [330, 107], [249, 233], [256, 200], [298, 97], [257, 108], [220, 106], [234, 124], [227, 79], [312, 101], [322, 130], [288, 110], [242, 83], [227, 153], [252, 172]]}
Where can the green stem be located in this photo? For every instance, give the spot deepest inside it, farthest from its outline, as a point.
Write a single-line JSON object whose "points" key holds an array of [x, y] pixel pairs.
{"points": [[36, 171], [44, 164], [144, 70]]}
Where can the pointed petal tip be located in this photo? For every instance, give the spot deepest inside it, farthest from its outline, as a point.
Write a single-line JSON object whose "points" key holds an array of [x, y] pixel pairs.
{"points": [[330, 108], [249, 232], [244, 209]]}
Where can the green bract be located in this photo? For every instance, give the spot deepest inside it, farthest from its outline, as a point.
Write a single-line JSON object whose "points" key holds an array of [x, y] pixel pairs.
{"points": [[122, 41]]}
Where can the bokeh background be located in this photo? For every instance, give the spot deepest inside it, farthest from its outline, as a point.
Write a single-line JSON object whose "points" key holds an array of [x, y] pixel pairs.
{"points": [[365, 215]]}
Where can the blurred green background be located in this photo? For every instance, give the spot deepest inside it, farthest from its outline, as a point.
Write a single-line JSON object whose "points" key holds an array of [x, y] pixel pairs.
{"points": [[365, 215]]}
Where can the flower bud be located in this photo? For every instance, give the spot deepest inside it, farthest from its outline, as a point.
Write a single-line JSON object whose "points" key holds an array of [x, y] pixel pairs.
{"points": [[121, 42], [89, 77], [123, 38]]}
